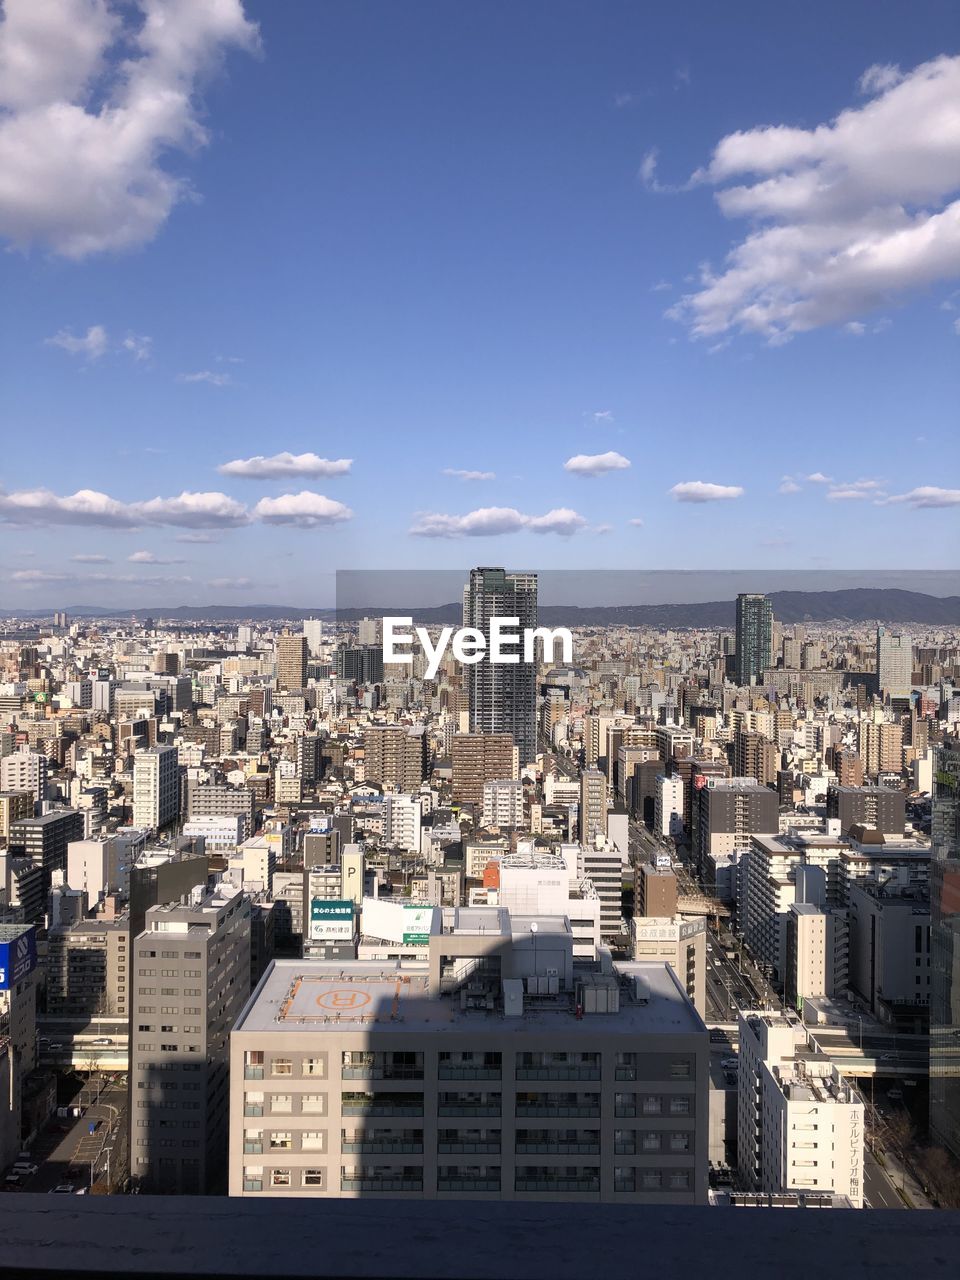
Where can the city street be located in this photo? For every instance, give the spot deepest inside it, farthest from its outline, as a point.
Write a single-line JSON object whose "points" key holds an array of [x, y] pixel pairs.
{"points": [[75, 1155]]}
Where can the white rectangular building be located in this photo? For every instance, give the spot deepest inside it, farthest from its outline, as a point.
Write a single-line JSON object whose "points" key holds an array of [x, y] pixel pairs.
{"points": [[799, 1122]]}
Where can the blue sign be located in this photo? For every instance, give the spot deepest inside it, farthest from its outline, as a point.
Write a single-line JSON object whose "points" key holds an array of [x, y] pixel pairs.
{"points": [[18, 958]]}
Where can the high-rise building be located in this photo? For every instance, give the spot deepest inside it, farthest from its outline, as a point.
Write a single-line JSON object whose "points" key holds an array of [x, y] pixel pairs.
{"points": [[799, 1123], [503, 803], [291, 661], [360, 664], [593, 805], [754, 637], [894, 664], [313, 634], [478, 758], [156, 788], [879, 807], [88, 968], [502, 696], [192, 967], [395, 756], [755, 756], [945, 948], [44, 840], [385, 1082], [25, 770], [14, 805]]}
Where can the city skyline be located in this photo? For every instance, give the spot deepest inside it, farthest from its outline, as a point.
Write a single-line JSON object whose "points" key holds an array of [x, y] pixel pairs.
{"points": [[470, 320]]}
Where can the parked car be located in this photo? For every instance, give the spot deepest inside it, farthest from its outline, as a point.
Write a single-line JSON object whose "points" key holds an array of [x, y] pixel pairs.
{"points": [[12, 1181], [25, 1169], [63, 1189], [729, 1063], [103, 1040]]}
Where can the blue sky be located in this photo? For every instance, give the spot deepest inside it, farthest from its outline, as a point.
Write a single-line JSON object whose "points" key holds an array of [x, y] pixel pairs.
{"points": [[430, 238]]}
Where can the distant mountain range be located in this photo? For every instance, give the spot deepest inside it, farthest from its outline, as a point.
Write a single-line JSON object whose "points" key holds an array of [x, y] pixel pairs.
{"points": [[866, 604]]}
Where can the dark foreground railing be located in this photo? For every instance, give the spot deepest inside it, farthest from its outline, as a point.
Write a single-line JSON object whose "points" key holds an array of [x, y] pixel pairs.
{"points": [[469, 1240]]}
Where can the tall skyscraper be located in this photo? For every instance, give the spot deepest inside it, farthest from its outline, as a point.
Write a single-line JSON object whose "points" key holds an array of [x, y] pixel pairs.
{"points": [[593, 805], [754, 637], [894, 663], [945, 948], [291, 661], [502, 696]]}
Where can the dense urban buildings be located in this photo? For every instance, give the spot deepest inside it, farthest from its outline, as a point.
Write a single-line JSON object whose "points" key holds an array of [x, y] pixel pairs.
{"points": [[775, 853]]}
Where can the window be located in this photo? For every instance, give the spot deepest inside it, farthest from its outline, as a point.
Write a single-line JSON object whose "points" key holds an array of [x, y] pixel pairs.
{"points": [[314, 1067], [650, 1142], [651, 1179], [679, 1106], [280, 1178], [313, 1177], [281, 1102], [312, 1140], [680, 1180], [679, 1142], [651, 1105], [314, 1103], [281, 1067], [680, 1070], [281, 1140]]}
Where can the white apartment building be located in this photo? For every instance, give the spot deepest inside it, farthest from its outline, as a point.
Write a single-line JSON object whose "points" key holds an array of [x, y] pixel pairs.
{"points": [[602, 863], [799, 1123], [817, 953], [402, 821], [156, 787], [668, 806], [99, 867], [503, 803], [25, 770], [363, 1079]]}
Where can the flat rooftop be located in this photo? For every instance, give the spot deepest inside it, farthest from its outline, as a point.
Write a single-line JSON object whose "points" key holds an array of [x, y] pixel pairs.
{"points": [[318, 995]]}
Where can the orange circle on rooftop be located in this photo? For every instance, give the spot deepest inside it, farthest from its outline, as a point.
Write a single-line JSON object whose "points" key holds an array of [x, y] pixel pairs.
{"points": [[343, 1000]]}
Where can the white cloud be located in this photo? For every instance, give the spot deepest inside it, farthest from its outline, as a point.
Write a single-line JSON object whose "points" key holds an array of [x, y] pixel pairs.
{"points": [[148, 557], [603, 528], [285, 464], [928, 495], [637, 522], [205, 538], [89, 507], [84, 136], [842, 218], [39, 577], [856, 328], [788, 485], [206, 375], [493, 521], [661, 286], [459, 474], [703, 491], [305, 510], [602, 415], [90, 559], [818, 477], [956, 326], [91, 345], [879, 78], [596, 464], [232, 584], [852, 490], [138, 345]]}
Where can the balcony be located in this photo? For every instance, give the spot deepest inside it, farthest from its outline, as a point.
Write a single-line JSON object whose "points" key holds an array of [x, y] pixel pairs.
{"points": [[591, 1185], [381, 1147], [253, 1073], [468, 1148], [468, 1184], [381, 1072], [558, 1073], [383, 1104], [252, 1148], [558, 1148], [553, 1111], [468, 1109], [381, 1184], [468, 1073], [253, 1109]]}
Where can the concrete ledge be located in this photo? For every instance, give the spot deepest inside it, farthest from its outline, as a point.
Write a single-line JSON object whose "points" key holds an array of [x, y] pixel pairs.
{"points": [[403, 1240]]}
